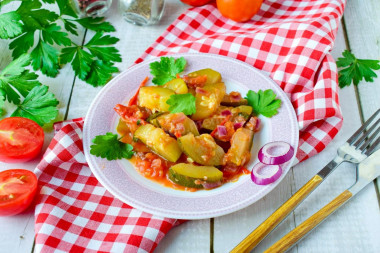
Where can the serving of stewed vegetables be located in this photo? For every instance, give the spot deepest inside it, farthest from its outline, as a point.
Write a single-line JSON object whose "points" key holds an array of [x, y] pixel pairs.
{"points": [[189, 133]]}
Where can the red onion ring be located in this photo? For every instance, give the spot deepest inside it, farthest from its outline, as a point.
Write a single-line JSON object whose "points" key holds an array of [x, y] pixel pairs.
{"points": [[260, 179], [266, 154]]}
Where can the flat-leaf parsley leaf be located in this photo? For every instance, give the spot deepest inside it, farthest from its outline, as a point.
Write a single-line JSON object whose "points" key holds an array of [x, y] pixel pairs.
{"points": [[10, 25], [264, 102], [182, 103], [39, 105], [166, 69], [15, 77], [353, 69], [108, 146]]}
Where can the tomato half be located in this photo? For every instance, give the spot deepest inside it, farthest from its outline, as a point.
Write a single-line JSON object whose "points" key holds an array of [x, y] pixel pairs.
{"points": [[17, 190], [196, 2], [21, 139], [239, 10]]}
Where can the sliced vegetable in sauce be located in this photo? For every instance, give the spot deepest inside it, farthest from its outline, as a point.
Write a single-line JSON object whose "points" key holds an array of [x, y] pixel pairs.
{"points": [[188, 133]]}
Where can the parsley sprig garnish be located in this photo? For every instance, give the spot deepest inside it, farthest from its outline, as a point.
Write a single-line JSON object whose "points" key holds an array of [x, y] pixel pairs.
{"points": [[40, 32], [182, 103], [263, 102], [166, 69], [354, 69], [110, 147]]}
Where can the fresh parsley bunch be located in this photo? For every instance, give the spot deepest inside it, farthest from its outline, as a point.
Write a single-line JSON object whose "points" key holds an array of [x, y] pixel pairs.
{"points": [[39, 31]]}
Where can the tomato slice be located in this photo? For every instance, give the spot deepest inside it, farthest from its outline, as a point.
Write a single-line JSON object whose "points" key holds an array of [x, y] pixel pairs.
{"points": [[21, 139], [17, 190]]}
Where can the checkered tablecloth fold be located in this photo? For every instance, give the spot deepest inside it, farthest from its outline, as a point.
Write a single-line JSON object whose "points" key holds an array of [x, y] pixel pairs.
{"points": [[74, 213], [290, 40]]}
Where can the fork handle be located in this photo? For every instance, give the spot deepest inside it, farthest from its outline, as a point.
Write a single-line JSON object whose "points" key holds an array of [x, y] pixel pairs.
{"points": [[254, 238], [299, 232]]}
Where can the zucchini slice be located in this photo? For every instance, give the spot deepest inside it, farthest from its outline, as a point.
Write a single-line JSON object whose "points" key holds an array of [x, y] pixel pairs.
{"points": [[155, 98], [167, 122], [159, 142], [241, 143], [229, 101], [152, 119], [177, 85], [209, 124], [246, 109], [207, 105], [213, 76], [202, 149], [190, 175]]}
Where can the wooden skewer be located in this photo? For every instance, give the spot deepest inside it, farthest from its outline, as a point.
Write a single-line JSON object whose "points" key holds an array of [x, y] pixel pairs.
{"points": [[299, 232], [254, 238]]}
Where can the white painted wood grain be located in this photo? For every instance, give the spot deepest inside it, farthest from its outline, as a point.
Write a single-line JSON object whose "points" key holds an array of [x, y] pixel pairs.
{"points": [[192, 236], [230, 229], [354, 227], [17, 232], [351, 229], [362, 20]]}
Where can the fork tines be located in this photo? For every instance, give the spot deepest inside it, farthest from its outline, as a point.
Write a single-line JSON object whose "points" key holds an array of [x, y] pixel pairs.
{"points": [[374, 130]]}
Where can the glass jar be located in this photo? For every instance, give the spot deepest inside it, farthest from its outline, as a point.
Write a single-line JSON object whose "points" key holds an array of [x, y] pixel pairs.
{"points": [[91, 7], [142, 12]]}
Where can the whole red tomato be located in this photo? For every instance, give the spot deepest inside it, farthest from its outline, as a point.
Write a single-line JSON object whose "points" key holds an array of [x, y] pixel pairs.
{"points": [[239, 10], [21, 139], [17, 190], [196, 2]]}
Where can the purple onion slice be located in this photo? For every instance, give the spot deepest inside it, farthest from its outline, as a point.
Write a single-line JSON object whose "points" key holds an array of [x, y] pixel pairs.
{"points": [[263, 174], [276, 153]]}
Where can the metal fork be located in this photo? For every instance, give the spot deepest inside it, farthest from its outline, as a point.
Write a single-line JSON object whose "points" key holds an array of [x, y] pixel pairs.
{"points": [[366, 172], [354, 151]]}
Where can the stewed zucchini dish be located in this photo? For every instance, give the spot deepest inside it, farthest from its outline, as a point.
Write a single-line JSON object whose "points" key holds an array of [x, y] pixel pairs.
{"points": [[185, 131]]}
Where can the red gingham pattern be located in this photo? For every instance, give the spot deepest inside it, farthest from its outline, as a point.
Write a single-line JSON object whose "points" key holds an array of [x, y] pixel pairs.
{"points": [[290, 40], [74, 213]]}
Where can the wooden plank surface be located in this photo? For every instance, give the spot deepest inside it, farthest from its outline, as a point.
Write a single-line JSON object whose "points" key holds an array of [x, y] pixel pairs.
{"points": [[365, 44], [17, 232], [353, 228], [341, 232]]}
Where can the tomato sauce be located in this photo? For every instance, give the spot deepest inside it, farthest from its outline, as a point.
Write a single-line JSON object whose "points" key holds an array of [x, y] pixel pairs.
{"points": [[156, 168]]}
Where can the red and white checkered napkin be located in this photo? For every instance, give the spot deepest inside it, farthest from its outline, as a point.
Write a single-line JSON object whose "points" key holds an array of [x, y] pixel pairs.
{"points": [[290, 40], [74, 213]]}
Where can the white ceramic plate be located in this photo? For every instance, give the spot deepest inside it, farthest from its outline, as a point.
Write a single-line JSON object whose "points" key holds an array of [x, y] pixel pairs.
{"points": [[124, 182]]}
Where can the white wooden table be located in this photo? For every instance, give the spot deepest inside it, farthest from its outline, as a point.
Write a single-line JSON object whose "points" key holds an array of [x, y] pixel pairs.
{"points": [[353, 228]]}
